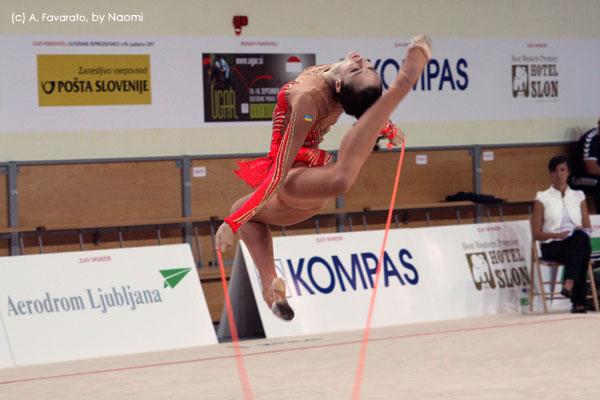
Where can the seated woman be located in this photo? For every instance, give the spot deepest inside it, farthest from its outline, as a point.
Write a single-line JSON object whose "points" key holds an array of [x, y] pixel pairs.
{"points": [[559, 216]]}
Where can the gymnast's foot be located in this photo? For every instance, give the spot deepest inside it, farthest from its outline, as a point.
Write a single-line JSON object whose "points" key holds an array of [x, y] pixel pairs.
{"points": [[280, 306]]}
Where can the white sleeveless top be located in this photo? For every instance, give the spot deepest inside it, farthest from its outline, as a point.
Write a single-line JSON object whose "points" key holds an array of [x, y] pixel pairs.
{"points": [[554, 202]]}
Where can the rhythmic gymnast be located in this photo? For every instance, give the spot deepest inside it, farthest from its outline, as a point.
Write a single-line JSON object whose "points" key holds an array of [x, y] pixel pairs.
{"points": [[296, 179]]}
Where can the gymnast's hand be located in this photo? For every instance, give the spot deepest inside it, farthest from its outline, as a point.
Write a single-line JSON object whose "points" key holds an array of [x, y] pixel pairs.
{"points": [[398, 139], [224, 237], [424, 42], [393, 134]]}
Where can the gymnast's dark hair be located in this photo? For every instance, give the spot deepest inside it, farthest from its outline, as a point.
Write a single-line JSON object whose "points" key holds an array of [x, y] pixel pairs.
{"points": [[556, 161], [356, 102]]}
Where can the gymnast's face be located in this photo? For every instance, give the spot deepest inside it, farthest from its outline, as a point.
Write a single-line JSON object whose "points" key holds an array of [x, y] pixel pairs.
{"points": [[356, 71], [559, 176]]}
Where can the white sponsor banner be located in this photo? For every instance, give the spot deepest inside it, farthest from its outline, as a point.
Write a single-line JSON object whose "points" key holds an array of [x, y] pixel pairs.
{"points": [[428, 274], [6, 359], [68, 306], [468, 78]]}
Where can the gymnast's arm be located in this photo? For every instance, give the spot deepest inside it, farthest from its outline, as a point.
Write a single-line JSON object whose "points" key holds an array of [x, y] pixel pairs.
{"points": [[295, 134]]}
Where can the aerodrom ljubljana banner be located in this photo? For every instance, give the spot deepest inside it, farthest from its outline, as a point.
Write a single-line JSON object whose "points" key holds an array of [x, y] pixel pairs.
{"points": [[76, 305], [53, 83]]}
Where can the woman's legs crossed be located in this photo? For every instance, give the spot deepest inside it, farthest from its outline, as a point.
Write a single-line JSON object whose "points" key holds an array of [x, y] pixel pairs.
{"points": [[575, 253]]}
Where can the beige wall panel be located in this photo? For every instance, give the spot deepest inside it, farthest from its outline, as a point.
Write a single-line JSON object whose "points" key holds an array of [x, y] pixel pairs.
{"points": [[69, 194], [445, 173], [214, 194]]}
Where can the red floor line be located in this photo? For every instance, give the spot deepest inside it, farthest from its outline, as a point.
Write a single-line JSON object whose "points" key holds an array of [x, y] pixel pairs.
{"points": [[289, 349]]}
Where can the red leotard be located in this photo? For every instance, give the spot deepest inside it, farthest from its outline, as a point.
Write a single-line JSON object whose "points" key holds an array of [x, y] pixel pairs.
{"points": [[306, 107]]}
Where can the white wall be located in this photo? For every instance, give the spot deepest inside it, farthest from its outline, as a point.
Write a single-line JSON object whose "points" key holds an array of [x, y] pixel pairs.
{"points": [[309, 18]]}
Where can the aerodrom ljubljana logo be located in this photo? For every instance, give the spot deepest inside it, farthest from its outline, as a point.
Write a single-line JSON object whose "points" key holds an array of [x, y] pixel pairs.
{"points": [[103, 299], [499, 264], [173, 276]]}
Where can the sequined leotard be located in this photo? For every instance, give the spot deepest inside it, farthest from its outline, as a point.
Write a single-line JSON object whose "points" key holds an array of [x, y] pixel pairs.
{"points": [[308, 91]]}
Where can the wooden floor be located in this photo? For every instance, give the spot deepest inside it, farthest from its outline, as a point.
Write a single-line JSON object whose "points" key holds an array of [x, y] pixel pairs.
{"points": [[508, 356]]}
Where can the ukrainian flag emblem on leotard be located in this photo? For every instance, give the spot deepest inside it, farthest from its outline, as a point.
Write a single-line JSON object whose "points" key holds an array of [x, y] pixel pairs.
{"points": [[308, 118]]}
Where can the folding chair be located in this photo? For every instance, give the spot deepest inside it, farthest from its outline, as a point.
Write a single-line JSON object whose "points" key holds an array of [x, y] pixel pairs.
{"points": [[592, 282], [536, 262]]}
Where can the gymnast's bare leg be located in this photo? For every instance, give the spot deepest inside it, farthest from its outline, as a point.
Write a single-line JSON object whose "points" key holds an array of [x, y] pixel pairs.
{"points": [[256, 234]]}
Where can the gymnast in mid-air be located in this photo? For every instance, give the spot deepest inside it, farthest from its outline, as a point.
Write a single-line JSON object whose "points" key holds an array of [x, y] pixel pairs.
{"points": [[296, 179]]}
